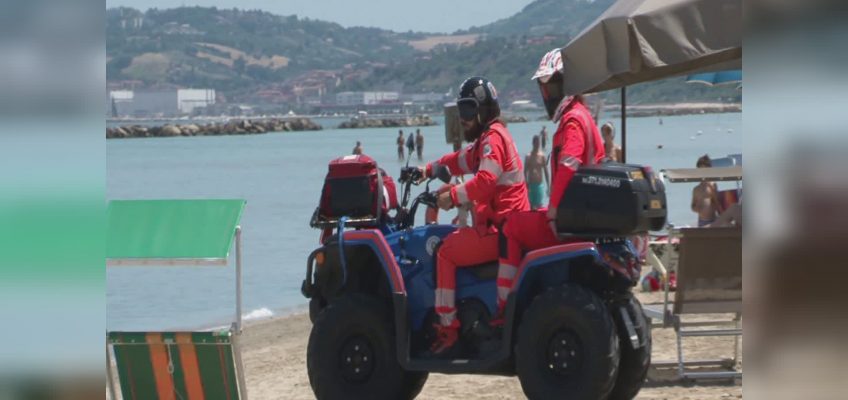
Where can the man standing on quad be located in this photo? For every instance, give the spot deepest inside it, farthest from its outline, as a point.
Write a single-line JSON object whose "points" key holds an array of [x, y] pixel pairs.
{"points": [[576, 142], [496, 190]]}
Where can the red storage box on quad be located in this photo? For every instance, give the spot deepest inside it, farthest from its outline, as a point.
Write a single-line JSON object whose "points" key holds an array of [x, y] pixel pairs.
{"points": [[357, 188]]}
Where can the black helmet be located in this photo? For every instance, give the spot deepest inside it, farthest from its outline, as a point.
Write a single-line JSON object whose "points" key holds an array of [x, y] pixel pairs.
{"points": [[478, 100]]}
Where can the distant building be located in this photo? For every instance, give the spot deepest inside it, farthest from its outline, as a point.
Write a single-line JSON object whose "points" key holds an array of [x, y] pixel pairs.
{"points": [[158, 103], [366, 98], [189, 99]]}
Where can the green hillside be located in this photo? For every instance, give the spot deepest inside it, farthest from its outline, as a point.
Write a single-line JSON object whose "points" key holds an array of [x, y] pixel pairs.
{"points": [[564, 18], [242, 52]]}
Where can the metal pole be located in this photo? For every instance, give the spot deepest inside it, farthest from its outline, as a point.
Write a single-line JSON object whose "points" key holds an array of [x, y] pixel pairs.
{"points": [[111, 380], [624, 124], [238, 279]]}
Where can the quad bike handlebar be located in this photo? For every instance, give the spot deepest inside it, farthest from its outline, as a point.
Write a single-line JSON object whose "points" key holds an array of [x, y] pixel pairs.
{"points": [[415, 176]]}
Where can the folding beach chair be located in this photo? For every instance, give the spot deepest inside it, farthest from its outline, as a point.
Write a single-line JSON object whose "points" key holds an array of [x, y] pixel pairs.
{"points": [[709, 288], [176, 365]]}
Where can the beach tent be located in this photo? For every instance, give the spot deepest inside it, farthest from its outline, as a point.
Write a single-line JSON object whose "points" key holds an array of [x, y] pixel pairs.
{"points": [[176, 365], [637, 41]]}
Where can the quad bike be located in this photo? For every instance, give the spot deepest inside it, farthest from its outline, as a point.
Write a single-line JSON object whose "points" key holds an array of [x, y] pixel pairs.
{"points": [[573, 329]]}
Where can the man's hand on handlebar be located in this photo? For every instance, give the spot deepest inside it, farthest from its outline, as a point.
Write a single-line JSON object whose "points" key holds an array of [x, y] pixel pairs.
{"points": [[422, 175]]}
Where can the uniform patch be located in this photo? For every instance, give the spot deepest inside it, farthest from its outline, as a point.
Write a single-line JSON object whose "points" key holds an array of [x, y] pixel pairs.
{"points": [[487, 150], [431, 243]]}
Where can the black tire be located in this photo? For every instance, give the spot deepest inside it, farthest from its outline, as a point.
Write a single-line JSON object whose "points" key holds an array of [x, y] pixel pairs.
{"points": [[634, 364], [352, 354], [570, 325], [316, 305]]}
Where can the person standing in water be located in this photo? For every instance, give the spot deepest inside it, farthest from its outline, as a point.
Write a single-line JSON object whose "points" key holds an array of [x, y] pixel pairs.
{"points": [[419, 143], [357, 150], [400, 141], [608, 133], [534, 167], [543, 135], [410, 143]]}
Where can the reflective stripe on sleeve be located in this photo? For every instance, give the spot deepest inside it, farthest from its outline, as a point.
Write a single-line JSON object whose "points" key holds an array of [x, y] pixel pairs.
{"points": [[461, 194], [569, 161], [491, 166], [511, 177]]}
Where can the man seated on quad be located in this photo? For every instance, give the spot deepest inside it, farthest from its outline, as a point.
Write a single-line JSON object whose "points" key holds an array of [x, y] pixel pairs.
{"points": [[576, 142], [496, 190]]}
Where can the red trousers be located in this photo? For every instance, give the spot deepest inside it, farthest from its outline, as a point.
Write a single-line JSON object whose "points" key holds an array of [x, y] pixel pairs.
{"points": [[522, 231], [464, 247]]}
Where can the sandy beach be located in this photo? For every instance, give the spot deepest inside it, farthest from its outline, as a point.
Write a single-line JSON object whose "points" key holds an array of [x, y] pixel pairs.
{"points": [[275, 363]]}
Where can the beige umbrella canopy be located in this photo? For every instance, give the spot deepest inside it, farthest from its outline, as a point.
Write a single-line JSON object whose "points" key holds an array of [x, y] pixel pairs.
{"points": [[637, 41], [643, 40]]}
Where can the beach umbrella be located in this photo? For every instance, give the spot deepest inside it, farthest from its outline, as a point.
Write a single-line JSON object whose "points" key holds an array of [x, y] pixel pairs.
{"points": [[637, 41], [716, 78]]}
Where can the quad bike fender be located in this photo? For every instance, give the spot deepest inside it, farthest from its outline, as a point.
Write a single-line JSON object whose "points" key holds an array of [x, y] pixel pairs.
{"points": [[560, 255], [358, 242]]}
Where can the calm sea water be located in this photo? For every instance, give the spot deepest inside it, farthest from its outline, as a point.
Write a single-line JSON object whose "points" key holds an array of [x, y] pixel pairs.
{"points": [[280, 175]]}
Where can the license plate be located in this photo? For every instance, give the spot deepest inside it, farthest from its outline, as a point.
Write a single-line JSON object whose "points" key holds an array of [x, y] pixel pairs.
{"points": [[655, 204]]}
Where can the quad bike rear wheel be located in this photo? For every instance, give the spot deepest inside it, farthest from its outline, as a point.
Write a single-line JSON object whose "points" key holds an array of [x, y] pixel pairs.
{"points": [[567, 346], [634, 363], [352, 354]]}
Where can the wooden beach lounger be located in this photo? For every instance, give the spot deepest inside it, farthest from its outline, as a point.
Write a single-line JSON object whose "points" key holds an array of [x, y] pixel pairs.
{"points": [[709, 290], [175, 365]]}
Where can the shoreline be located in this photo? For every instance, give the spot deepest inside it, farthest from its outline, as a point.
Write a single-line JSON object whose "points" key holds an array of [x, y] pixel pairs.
{"points": [[682, 108]]}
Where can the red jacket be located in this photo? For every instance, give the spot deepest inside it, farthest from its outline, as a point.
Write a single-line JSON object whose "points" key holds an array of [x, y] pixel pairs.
{"points": [[497, 187], [576, 142]]}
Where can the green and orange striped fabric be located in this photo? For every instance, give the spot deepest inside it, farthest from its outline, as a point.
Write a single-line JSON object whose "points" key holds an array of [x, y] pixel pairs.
{"points": [[175, 365]]}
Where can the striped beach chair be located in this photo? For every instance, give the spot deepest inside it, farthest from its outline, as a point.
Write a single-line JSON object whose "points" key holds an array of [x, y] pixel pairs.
{"points": [[175, 365]]}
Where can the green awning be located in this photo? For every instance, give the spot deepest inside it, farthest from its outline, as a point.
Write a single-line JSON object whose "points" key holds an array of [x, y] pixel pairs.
{"points": [[168, 232]]}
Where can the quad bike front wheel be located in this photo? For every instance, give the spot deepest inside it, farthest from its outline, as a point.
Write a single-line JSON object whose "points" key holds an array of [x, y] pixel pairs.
{"points": [[352, 354], [567, 346]]}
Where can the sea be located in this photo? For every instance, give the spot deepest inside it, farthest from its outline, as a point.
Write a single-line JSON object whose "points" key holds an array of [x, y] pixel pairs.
{"points": [[280, 175]]}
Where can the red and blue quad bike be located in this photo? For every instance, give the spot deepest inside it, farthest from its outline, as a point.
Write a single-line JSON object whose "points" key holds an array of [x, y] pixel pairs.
{"points": [[573, 329]]}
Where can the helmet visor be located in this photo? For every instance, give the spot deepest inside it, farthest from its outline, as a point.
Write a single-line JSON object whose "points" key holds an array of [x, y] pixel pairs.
{"points": [[467, 109]]}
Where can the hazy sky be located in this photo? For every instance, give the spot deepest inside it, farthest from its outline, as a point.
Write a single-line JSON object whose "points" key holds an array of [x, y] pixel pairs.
{"points": [[397, 15]]}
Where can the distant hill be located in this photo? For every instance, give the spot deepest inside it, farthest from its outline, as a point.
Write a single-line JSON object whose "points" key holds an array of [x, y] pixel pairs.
{"points": [[565, 18], [231, 49], [254, 55]]}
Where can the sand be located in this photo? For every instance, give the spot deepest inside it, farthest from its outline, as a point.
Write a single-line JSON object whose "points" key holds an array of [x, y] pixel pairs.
{"points": [[275, 364]]}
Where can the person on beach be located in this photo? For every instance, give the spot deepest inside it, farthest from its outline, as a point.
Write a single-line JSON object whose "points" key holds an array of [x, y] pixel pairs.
{"points": [[496, 190], [543, 135], [534, 168], [576, 142], [419, 143], [410, 143], [705, 201], [357, 150], [400, 141], [613, 150]]}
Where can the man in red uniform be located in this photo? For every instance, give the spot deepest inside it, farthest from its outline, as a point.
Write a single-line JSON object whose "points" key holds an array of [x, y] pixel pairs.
{"points": [[576, 142], [496, 190]]}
